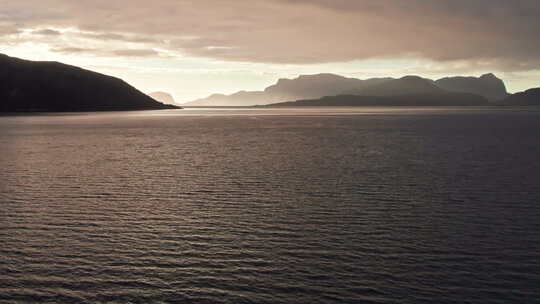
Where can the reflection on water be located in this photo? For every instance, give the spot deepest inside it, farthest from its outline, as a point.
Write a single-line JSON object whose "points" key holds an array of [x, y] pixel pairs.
{"points": [[334, 205]]}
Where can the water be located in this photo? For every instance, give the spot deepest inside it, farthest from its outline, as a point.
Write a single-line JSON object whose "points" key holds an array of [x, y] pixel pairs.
{"points": [[362, 205]]}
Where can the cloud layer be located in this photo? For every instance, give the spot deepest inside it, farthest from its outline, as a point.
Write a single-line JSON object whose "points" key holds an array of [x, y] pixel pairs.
{"points": [[500, 34]]}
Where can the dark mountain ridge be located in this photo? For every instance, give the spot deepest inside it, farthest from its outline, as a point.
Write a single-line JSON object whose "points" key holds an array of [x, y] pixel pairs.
{"points": [[530, 97], [434, 99], [52, 86]]}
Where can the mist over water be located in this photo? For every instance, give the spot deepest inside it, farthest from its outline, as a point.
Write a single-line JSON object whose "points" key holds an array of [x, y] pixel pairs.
{"points": [[331, 205]]}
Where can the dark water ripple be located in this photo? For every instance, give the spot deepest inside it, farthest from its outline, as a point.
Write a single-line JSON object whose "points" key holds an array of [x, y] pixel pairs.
{"points": [[350, 206]]}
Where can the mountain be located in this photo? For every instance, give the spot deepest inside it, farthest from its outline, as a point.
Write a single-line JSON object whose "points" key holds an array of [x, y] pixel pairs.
{"points": [[320, 85], [437, 99], [52, 86], [162, 97], [528, 98], [242, 98], [303, 87], [407, 85], [316, 86], [487, 85]]}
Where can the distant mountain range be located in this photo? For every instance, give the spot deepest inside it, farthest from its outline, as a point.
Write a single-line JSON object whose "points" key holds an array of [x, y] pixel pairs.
{"points": [[52, 86], [309, 87]]}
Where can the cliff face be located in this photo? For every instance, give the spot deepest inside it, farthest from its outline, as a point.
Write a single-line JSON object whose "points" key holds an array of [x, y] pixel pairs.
{"points": [[52, 86], [487, 85]]}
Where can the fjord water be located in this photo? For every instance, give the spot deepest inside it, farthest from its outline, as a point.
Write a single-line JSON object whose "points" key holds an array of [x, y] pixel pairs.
{"points": [[350, 205]]}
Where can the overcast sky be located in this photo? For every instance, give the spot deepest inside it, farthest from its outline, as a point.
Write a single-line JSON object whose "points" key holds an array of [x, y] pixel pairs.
{"points": [[193, 48]]}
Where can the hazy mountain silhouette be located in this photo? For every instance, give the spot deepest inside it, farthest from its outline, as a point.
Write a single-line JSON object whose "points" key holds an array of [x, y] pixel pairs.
{"points": [[530, 97], [303, 87], [242, 98], [487, 85], [316, 86], [163, 97], [52, 86], [436, 99], [407, 85], [320, 85]]}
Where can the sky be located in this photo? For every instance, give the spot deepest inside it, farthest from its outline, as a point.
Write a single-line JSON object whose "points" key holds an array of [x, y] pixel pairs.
{"points": [[194, 48]]}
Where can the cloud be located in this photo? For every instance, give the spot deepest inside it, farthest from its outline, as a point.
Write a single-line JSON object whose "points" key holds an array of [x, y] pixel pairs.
{"points": [[106, 53], [500, 34], [46, 32], [73, 50], [8, 30], [136, 53], [117, 37]]}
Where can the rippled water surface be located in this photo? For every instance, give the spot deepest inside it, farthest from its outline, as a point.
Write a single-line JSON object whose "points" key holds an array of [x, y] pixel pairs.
{"points": [[361, 205]]}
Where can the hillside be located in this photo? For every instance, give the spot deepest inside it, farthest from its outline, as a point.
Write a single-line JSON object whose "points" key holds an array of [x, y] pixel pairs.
{"points": [[52, 86]]}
